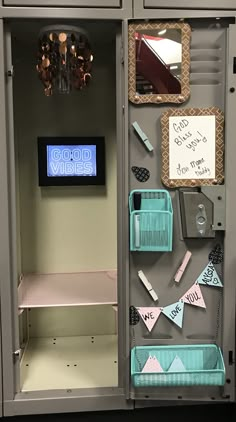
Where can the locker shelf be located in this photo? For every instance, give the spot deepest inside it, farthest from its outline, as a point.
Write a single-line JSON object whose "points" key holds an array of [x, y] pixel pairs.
{"points": [[72, 289], [70, 362]]}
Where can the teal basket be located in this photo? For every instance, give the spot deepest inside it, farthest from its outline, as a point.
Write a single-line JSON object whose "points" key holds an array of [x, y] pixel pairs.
{"points": [[203, 363], [151, 227]]}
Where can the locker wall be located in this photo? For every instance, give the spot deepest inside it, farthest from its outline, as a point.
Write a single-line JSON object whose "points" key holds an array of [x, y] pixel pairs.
{"points": [[52, 219]]}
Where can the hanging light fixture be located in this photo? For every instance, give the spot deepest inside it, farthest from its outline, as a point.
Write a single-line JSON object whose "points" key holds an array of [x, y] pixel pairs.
{"points": [[64, 59]]}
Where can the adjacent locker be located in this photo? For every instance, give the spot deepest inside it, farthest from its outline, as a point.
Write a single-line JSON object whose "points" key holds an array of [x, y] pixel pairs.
{"points": [[140, 5], [68, 3]]}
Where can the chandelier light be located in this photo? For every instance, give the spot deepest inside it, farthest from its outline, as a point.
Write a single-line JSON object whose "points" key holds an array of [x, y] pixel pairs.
{"points": [[64, 59]]}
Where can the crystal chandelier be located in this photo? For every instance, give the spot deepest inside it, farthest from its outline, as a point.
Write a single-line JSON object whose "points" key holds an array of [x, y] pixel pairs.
{"points": [[64, 59]]}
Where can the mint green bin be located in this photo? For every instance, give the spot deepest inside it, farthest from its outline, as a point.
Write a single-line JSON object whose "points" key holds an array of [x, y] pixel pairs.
{"points": [[151, 226], [203, 365]]}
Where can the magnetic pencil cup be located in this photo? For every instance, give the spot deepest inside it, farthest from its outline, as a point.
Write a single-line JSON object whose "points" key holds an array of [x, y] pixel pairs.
{"points": [[204, 365], [151, 220]]}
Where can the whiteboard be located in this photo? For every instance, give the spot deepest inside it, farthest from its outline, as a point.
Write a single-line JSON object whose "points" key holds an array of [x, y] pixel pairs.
{"points": [[192, 147]]}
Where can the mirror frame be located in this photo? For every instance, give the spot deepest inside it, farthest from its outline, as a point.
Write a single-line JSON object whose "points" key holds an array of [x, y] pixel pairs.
{"points": [[160, 98], [219, 147]]}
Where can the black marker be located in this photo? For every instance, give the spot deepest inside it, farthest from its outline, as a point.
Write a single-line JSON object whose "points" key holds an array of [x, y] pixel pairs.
{"points": [[137, 199]]}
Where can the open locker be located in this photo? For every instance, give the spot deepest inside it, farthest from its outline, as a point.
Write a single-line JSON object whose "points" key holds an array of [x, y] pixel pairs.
{"points": [[120, 293], [81, 272], [180, 224], [64, 201]]}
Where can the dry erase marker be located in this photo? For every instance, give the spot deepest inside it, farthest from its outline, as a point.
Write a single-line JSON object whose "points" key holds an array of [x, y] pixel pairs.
{"points": [[137, 198]]}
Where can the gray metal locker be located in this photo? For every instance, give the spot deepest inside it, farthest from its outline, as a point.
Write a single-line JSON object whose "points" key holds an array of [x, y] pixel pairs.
{"points": [[71, 256], [27, 391]]}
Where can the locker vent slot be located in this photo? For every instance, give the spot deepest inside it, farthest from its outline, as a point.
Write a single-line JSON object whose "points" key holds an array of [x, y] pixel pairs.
{"points": [[206, 63]]}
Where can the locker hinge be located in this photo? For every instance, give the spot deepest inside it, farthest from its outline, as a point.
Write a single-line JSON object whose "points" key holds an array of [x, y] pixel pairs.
{"points": [[10, 72]]}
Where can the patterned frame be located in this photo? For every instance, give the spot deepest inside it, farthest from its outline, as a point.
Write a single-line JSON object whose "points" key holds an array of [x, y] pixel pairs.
{"points": [[160, 98], [219, 147]]}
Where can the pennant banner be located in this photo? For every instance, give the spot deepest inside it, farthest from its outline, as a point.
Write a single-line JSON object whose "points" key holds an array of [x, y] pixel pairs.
{"points": [[177, 365], [194, 296], [175, 312], [152, 365], [209, 277], [149, 316]]}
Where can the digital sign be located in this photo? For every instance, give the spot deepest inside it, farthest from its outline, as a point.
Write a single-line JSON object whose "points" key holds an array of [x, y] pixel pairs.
{"points": [[71, 160]]}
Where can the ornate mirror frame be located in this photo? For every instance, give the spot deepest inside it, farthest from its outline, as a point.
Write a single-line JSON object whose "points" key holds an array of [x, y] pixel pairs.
{"points": [[160, 98]]}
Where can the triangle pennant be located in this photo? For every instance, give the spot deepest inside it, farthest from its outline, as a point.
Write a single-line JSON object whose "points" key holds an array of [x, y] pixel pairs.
{"points": [[177, 365], [194, 296], [209, 276], [152, 365], [149, 316], [175, 312]]}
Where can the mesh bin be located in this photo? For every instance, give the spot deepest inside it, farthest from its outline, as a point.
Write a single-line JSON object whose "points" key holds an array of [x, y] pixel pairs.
{"points": [[204, 365], [151, 226]]}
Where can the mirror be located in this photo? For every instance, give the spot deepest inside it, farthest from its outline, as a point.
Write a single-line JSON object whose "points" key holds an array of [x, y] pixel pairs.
{"points": [[159, 61]]}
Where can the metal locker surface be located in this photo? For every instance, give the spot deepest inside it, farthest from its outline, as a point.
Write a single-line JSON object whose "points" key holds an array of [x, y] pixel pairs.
{"points": [[209, 48]]}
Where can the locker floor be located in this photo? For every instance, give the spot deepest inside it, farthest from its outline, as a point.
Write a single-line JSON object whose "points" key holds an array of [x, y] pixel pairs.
{"points": [[70, 362]]}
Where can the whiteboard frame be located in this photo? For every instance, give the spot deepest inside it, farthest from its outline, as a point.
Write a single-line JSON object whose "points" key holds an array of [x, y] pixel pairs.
{"points": [[219, 145]]}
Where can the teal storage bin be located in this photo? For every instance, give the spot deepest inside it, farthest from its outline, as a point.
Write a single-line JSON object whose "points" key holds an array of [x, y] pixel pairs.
{"points": [[151, 226], [204, 365]]}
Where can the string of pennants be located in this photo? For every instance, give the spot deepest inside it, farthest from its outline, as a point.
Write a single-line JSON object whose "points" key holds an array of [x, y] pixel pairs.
{"points": [[175, 311]]}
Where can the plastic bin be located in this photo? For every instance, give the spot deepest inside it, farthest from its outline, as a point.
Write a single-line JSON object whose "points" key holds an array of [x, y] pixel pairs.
{"points": [[204, 365], [151, 226]]}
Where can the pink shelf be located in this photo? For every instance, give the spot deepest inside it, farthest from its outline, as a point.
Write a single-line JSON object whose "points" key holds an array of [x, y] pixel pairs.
{"points": [[73, 289]]}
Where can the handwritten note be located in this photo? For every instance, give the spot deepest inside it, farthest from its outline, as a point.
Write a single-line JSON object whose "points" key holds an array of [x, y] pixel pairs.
{"points": [[175, 312], [209, 277], [194, 296], [192, 150], [149, 316]]}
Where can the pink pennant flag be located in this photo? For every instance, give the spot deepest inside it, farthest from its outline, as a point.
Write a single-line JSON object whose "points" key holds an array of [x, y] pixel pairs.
{"points": [[194, 296], [149, 316], [152, 365]]}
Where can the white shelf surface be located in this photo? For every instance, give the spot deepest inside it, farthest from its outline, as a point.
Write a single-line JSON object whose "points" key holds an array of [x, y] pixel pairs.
{"points": [[72, 289], [70, 362]]}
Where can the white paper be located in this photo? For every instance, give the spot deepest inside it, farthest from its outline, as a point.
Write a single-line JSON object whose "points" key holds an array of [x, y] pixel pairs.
{"points": [[192, 147]]}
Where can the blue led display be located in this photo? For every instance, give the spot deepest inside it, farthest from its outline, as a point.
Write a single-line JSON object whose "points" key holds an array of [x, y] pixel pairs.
{"points": [[71, 160]]}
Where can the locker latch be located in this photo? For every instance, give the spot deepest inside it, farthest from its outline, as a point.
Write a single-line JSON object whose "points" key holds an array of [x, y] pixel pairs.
{"points": [[10, 72], [17, 353]]}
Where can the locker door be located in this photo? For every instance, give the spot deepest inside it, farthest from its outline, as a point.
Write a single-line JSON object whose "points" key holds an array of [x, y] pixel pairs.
{"points": [[184, 4], [69, 3], [143, 7], [73, 9], [212, 84]]}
